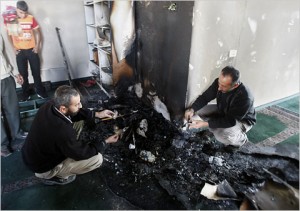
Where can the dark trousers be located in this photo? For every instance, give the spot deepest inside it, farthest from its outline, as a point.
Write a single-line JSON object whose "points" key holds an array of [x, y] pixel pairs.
{"points": [[23, 57], [10, 116]]}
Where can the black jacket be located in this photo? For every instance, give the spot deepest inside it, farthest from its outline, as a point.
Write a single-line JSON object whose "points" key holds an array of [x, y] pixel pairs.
{"points": [[233, 105], [52, 139]]}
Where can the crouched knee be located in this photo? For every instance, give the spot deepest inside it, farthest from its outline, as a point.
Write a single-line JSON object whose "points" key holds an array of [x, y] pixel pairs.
{"points": [[98, 160]]}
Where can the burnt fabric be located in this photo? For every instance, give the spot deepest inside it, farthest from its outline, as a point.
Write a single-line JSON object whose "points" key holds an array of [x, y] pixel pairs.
{"points": [[52, 139], [233, 105]]}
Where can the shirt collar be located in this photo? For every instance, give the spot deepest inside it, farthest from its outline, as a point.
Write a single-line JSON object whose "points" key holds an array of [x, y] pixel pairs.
{"points": [[66, 117]]}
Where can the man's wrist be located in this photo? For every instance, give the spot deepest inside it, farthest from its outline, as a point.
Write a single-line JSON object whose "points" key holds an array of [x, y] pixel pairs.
{"points": [[97, 114], [206, 124]]}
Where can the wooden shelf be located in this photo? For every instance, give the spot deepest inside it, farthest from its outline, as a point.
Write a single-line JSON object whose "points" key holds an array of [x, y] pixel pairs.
{"points": [[97, 14], [91, 25], [105, 50], [107, 70], [91, 3]]}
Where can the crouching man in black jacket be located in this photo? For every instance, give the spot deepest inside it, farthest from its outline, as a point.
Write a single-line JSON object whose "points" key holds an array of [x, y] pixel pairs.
{"points": [[51, 149], [233, 115]]}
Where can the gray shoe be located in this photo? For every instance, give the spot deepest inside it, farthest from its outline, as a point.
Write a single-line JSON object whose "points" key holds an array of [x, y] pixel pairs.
{"points": [[42, 96], [22, 135], [17, 143], [5, 151], [59, 181], [25, 98]]}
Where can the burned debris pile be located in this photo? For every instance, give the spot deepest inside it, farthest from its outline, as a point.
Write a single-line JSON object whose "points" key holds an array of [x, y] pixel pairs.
{"points": [[156, 165]]}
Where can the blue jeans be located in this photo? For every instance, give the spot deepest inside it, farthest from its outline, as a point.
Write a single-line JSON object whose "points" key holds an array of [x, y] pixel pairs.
{"points": [[23, 57]]}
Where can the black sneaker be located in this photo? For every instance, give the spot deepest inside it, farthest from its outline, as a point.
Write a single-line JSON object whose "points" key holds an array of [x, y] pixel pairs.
{"points": [[22, 135], [42, 96], [5, 152], [17, 144], [59, 181], [25, 98]]}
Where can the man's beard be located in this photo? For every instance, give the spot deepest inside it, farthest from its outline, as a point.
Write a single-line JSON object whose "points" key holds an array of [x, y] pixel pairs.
{"points": [[69, 113]]}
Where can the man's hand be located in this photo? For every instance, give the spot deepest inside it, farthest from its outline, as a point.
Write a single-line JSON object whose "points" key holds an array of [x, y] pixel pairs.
{"points": [[198, 124], [19, 79], [189, 113], [105, 113], [112, 139], [35, 49], [17, 51]]}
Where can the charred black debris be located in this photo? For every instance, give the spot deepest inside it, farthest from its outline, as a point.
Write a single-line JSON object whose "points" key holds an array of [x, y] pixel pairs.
{"points": [[156, 165]]}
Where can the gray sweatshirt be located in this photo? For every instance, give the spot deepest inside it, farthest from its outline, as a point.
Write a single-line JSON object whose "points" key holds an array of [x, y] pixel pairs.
{"points": [[6, 68]]}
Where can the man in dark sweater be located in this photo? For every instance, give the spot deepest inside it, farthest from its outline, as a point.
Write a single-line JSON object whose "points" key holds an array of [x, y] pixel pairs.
{"points": [[51, 149], [233, 115]]}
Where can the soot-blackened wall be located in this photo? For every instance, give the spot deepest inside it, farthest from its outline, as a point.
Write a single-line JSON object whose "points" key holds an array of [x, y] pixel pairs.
{"points": [[164, 31]]}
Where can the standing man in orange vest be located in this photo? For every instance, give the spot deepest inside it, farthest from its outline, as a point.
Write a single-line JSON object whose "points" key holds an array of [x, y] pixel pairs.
{"points": [[26, 46]]}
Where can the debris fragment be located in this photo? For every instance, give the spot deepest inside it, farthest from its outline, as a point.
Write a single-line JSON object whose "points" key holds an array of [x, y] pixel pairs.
{"points": [[274, 196], [147, 156], [210, 192], [225, 190], [143, 128]]}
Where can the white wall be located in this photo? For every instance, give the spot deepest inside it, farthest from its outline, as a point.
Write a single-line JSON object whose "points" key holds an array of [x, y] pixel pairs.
{"points": [[68, 15], [266, 37], [264, 33]]}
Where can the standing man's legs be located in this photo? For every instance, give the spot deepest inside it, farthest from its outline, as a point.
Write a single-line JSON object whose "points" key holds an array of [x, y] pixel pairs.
{"points": [[10, 116], [22, 63], [5, 142], [34, 61], [10, 106]]}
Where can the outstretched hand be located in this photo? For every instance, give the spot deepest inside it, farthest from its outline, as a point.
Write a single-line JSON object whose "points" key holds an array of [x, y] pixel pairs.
{"points": [[104, 114], [198, 124], [189, 113]]}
